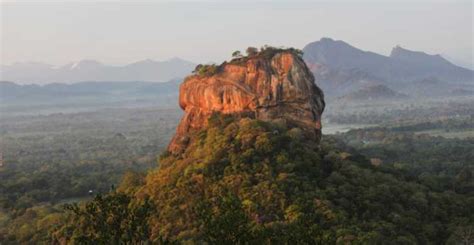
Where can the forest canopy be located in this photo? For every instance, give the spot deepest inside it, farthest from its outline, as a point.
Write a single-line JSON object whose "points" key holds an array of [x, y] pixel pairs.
{"points": [[248, 181]]}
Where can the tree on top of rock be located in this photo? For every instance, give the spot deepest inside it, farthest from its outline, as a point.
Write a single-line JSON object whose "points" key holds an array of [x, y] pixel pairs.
{"points": [[251, 51], [237, 54]]}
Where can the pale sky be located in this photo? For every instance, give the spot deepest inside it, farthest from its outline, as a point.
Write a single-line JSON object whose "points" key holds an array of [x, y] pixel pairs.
{"points": [[121, 32]]}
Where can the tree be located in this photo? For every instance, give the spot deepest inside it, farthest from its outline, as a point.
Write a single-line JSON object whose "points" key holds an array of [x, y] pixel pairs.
{"points": [[462, 235], [299, 52], [197, 68], [131, 181], [228, 224], [236, 54], [251, 51], [109, 219]]}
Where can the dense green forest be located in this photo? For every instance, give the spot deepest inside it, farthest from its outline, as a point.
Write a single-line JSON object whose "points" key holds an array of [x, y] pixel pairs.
{"points": [[49, 160], [247, 181], [408, 180], [408, 111]]}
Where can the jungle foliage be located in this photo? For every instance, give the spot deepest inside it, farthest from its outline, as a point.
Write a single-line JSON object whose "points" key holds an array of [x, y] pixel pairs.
{"points": [[248, 181]]}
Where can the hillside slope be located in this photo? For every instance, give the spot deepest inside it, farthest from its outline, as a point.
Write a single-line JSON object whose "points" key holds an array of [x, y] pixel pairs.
{"points": [[249, 181], [243, 179], [340, 68]]}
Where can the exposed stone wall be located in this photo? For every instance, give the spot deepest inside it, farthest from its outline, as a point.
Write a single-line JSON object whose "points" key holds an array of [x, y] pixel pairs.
{"points": [[266, 88]]}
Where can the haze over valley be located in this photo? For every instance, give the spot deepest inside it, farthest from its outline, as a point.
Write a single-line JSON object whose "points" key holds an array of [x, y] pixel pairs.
{"points": [[345, 73], [91, 70], [278, 135]]}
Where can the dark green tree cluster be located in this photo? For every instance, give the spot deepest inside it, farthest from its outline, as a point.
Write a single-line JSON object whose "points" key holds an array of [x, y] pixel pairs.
{"points": [[110, 219], [248, 181], [266, 51], [244, 181], [206, 70], [439, 163]]}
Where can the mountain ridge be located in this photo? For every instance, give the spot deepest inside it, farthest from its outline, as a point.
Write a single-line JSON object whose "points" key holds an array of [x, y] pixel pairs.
{"points": [[91, 70], [338, 65]]}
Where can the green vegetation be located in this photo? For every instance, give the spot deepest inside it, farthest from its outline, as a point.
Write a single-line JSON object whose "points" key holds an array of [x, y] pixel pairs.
{"points": [[56, 159], [241, 180], [247, 181], [266, 52], [440, 113], [206, 70], [436, 162], [251, 51], [110, 219], [236, 54]]}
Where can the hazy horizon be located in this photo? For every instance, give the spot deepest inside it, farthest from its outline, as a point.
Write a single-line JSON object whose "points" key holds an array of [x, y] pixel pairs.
{"points": [[119, 33], [327, 144]]}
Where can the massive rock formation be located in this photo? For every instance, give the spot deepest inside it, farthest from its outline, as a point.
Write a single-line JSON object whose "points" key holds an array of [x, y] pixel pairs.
{"points": [[273, 84]]}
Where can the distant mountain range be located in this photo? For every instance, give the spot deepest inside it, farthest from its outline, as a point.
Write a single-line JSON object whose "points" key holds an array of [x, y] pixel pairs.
{"points": [[91, 70], [340, 68], [9, 90], [33, 98]]}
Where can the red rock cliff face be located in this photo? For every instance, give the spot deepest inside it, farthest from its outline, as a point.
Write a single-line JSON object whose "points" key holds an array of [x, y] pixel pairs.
{"points": [[265, 88]]}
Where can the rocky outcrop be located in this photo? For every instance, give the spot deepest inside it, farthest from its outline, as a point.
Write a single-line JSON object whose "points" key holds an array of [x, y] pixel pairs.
{"points": [[270, 85]]}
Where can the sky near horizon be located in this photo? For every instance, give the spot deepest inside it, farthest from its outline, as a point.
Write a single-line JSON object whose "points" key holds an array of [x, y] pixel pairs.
{"points": [[122, 32]]}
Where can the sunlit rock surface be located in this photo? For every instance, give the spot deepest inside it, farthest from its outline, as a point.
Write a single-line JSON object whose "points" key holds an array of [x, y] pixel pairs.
{"points": [[266, 87]]}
